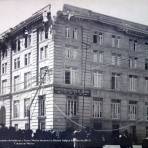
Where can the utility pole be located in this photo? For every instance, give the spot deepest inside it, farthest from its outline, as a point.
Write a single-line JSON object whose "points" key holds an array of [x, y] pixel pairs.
{"points": [[29, 110], [84, 78]]}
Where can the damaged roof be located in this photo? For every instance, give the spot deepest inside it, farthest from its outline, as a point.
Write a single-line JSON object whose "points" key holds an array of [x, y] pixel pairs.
{"points": [[34, 18], [90, 15]]}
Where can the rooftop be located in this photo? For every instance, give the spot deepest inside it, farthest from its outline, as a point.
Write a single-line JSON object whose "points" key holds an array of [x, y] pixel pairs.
{"points": [[35, 17], [122, 25]]}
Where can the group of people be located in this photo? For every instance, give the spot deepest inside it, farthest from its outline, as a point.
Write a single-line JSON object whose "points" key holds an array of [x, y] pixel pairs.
{"points": [[125, 140], [96, 138]]}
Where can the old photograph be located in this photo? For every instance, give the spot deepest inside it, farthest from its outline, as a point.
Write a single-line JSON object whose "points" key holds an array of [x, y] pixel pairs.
{"points": [[73, 74]]}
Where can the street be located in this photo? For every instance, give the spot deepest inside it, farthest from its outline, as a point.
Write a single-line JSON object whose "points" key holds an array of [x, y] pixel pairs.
{"points": [[117, 146]]}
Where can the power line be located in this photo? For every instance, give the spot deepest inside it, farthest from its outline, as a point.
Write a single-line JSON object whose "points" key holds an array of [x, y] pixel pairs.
{"points": [[105, 130], [123, 127], [30, 79], [29, 118]]}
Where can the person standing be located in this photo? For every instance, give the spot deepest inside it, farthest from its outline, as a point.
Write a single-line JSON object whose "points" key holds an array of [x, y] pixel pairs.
{"points": [[123, 141]]}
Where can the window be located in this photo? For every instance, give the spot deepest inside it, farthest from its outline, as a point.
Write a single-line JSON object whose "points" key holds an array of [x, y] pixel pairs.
{"points": [[133, 62], [67, 76], [113, 41], [41, 35], [146, 111], [74, 54], [101, 56], [100, 38], [146, 84], [118, 42], [132, 83], [113, 59], [16, 83], [146, 46], [98, 79], [97, 108], [71, 76], [130, 44], [95, 38], [115, 81], [135, 45], [4, 54], [17, 63], [75, 33], [4, 68], [132, 110], [27, 59], [130, 62], [74, 76], [42, 105], [17, 45], [26, 126], [146, 131], [115, 129], [45, 75], [95, 57], [98, 57], [16, 108], [4, 86], [27, 80], [41, 124], [16, 126], [115, 109], [67, 53], [43, 52], [22, 43], [116, 59], [146, 64], [26, 107], [67, 32], [71, 53], [72, 106], [27, 40]]}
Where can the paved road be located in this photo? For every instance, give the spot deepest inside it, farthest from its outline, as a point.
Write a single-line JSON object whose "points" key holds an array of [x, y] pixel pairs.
{"points": [[117, 146]]}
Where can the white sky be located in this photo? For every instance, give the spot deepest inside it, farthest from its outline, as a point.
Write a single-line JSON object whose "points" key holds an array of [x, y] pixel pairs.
{"points": [[13, 12]]}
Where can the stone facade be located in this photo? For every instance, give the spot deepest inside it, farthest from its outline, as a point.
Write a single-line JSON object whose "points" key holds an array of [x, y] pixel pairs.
{"points": [[104, 57]]}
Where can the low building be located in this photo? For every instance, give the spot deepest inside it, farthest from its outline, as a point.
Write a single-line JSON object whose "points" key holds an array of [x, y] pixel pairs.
{"points": [[78, 69]]}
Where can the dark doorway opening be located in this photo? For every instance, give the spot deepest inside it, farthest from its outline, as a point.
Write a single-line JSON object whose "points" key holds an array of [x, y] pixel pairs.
{"points": [[3, 116], [115, 129]]}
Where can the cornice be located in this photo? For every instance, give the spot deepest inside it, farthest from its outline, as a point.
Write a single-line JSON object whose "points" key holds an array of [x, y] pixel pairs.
{"points": [[36, 18], [121, 25]]}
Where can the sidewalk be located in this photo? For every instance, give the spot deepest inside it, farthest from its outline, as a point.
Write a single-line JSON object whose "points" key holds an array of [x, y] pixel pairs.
{"points": [[117, 146]]}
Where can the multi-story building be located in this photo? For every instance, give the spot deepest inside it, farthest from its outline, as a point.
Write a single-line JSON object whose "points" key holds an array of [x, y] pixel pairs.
{"points": [[50, 61]]}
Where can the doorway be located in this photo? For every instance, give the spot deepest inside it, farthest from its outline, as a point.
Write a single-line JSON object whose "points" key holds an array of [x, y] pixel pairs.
{"points": [[3, 116]]}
